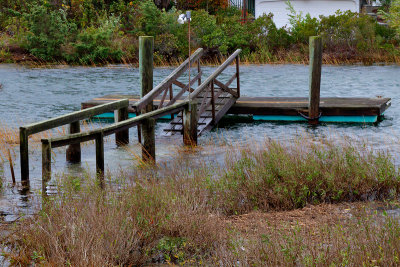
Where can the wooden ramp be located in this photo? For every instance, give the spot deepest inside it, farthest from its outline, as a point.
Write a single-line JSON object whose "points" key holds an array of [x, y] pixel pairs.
{"points": [[213, 98], [223, 103]]}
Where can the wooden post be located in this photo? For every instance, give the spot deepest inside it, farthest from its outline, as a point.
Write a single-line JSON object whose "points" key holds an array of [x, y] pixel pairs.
{"points": [[198, 71], [100, 158], [122, 137], [74, 151], [149, 141], [212, 100], [146, 48], [237, 76], [190, 124], [315, 78], [24, 155], [46, 166]]}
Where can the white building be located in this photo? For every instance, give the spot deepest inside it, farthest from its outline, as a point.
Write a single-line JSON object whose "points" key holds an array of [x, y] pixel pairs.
{"points": [[314, 7]]}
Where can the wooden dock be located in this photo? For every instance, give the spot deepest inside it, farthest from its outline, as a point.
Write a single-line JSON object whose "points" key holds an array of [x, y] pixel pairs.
{"points": [[287, 108]]}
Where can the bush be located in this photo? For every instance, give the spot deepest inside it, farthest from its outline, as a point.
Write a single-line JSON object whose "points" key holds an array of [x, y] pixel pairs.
{"points": [[348, 29], [302, 27], [49, 30], [96, 44]]}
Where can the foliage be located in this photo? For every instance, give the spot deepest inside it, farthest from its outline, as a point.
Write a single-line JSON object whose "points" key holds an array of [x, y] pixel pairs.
{"points": [[181, 213], [348, 29], [302, 27], [95, 44], [74, 31], [393, 16], [49, 30]]}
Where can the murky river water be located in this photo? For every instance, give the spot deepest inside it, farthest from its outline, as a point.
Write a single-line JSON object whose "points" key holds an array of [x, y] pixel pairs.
{"points": [[30, 95]]}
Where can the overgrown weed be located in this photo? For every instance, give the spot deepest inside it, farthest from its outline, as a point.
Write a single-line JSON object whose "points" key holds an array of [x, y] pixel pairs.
{"points": [[181, 212]]}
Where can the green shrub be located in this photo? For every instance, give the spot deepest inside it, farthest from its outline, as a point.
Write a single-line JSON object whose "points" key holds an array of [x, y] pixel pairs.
{"points": [[348, 29], [49, 30], [96, 44], [302, 27]]}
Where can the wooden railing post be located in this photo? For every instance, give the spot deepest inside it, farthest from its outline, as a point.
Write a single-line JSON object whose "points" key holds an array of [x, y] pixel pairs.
{"points": [[198, 71], [24, 155], [46, 166], [315, 78], [122, 137], [212, 100], [73, 154], [149, 140], [100, 158], [190, 124], [146, 49], [237, 76], [171, 96]]}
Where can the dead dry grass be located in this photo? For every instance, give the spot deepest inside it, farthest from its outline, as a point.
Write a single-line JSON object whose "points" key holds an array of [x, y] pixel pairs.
{"points": [[199, 213]]}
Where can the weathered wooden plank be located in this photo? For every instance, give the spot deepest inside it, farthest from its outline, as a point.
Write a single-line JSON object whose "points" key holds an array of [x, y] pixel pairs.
{"points": [[73, 153], [113, 128], [329, 106], [217, 72], [168, 80], [74, 116], [315, 78], [146, 49]]}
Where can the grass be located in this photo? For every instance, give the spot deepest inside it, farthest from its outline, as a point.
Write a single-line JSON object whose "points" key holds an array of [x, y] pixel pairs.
{"points": [[187, 212]]}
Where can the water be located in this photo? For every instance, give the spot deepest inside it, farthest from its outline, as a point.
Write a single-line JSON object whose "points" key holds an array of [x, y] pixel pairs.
{"points": [[34, 94]]}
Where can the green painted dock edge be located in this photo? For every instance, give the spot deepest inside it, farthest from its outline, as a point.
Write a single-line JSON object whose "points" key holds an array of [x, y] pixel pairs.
{"points": [[109, 117]]}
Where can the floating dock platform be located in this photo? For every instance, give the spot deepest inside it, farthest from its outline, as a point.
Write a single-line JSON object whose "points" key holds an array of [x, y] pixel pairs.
{"points": [[333, 109]]}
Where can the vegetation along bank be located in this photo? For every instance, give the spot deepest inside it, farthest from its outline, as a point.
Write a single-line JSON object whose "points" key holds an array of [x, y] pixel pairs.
{"points": [[90, 32]]}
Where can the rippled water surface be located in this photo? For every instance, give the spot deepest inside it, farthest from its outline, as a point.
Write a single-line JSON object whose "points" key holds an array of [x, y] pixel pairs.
{"points": [[30, 95]]}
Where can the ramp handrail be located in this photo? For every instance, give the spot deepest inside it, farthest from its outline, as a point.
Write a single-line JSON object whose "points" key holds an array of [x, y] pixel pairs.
{"points": [[71, 118], [165, 86], [98, 135], [209, 83]]}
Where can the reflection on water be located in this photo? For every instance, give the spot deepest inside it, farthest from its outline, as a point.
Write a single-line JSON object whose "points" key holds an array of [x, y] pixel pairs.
{"points": [[30, 95]]}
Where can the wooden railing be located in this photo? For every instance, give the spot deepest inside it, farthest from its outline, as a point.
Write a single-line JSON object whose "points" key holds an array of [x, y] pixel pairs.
{"points": [[210, 92], [73, 152], [165, 87], [99, 134]]}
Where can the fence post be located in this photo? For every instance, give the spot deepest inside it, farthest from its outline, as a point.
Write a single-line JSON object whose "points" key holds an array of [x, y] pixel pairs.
{"points": [[146, 47], [122, 137], [100, 158], [74, 150], [190, 124], [212, 101], [149, 140], [315, 78], [46, 166], [237, 76], [24, 155]]}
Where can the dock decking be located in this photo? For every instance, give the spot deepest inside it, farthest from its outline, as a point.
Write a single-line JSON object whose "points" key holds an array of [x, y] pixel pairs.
{"points": [[286, 108]]}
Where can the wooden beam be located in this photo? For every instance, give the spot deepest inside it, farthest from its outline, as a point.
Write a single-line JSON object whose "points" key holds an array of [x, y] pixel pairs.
{"points": [[146, 49], [168, 80], [149, 140], [225, 88], [73, 153], [190, 124], [46, 167], [74, 116], [100, 158], [122, 137], [315, 78], [24, 155], [215, 74], [111, 129]]}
